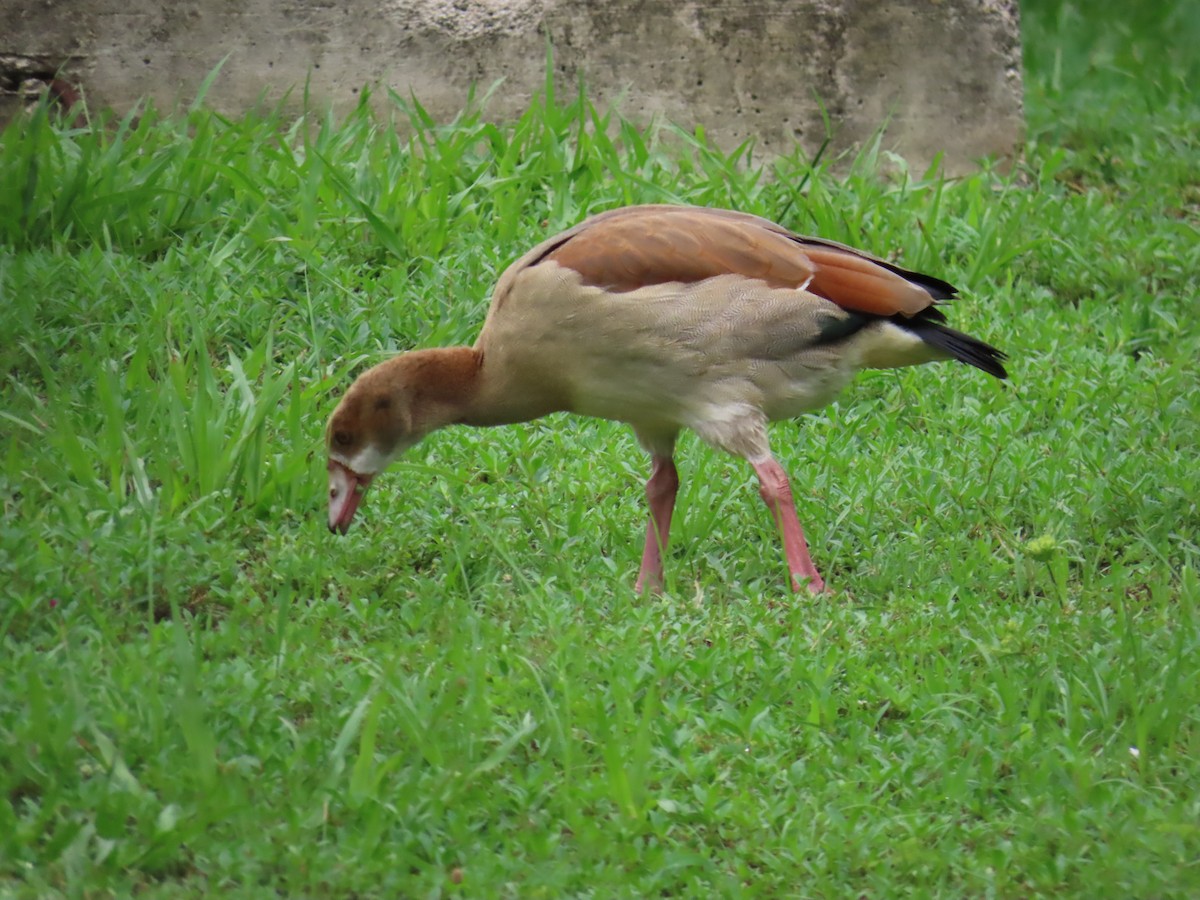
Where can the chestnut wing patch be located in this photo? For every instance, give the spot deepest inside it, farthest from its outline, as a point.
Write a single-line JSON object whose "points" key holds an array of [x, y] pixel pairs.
{"points": [[656, 245], [630, 252]]}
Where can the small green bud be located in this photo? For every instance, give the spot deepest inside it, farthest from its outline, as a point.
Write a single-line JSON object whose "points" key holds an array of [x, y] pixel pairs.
{"points": [[1042, 548]]}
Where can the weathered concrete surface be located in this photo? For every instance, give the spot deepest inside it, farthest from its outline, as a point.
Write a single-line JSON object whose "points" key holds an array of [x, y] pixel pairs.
{"points": [[944, 73]]}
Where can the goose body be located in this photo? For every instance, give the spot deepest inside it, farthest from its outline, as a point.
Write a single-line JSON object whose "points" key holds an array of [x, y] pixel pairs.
{"points": [[664, 317]]}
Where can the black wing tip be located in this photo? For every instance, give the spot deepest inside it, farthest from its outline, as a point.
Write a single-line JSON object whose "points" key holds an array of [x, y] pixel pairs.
{"points": [[973, 352], [966, 349], [939, 290], [982, 356], [992, 364]]}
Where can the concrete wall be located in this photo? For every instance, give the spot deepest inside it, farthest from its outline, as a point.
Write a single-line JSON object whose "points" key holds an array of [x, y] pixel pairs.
{"points": [[944, 72]]}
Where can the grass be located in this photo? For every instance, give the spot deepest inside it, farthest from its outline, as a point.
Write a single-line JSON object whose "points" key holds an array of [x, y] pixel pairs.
{"points": [[201, 691]]}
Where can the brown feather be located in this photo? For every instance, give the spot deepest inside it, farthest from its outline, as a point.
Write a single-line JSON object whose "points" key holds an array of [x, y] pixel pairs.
{"points": [[625, 253], [627, 249], [860, 284]]}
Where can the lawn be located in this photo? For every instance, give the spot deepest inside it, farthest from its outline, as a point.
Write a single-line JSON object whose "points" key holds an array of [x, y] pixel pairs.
{"points": [[203, 691]]}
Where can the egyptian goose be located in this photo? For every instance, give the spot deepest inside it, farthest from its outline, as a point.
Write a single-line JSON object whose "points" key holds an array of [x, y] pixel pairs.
{"points": [[664, 317]]}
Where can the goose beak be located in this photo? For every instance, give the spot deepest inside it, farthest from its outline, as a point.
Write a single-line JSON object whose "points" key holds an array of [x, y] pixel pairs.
{"points": [[346, 489]]}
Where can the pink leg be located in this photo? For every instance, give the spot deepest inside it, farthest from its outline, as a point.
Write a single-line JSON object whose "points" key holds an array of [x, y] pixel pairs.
{"points": [[777, 494], [660, 492]]}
